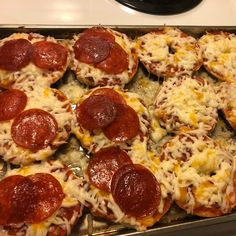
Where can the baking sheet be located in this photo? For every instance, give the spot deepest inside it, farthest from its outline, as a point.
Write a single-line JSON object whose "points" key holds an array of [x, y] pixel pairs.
{"points": [[90, 226]]}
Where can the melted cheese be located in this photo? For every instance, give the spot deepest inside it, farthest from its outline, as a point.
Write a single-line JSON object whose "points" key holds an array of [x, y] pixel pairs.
{"points": [[45, 99], [157, 132], [225, 137], [73, 89], [193, 104], [228, 96]]}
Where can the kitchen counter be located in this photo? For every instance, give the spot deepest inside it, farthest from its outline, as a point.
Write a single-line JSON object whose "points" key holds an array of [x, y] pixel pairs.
{"points": [[110, 12]]}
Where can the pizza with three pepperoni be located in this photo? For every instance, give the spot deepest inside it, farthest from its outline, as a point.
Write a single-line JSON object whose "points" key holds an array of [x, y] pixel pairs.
{"points": [[107, 116]]}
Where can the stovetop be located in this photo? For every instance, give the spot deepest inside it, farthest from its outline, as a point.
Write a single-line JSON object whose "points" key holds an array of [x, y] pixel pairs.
{"points": [[161, 7], [111, 12]]}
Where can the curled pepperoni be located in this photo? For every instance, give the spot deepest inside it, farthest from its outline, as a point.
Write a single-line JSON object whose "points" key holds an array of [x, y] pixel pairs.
{"points": [[91, 50], [104, 164], [125, 126], [34, 129], [12, 103], [29, 199], [116, 62], [96, 112], [15, 54], [136, 191], [49, 55], [111, 93]]}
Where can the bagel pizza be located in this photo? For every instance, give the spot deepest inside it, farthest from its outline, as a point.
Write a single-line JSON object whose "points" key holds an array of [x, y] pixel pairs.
{"points": [[102, 56], [186, 103], [169, 52], [202, 175], [227, 94], [39, 199], [31, 56], [33, 124], [219, 54], [107, 116], [120, 190]]}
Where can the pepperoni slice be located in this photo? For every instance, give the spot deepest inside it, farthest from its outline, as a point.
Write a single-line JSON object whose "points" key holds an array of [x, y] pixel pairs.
{"points": [[98, 32], [91, 50], [93, 46], [49, 197], [104, 164], [34, 129], [96, 112], [125, 126], [7, 186], [49, 55], [116, 62], [111, 93], [23, 201], [29, 199], [12, 103], [136, 191], [15, 54]]}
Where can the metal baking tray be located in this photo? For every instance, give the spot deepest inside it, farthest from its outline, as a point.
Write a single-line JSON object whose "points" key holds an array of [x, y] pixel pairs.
{"points": [[67, 31], [171, 224]]}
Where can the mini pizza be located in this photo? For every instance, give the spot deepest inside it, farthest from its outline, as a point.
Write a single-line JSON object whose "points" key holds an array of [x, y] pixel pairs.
{"points": [[120, 191], [228, 96], [186, 103], [202, 175], [107, 116], [34, 124], [169, 52], [31, 56], [101, 56], [40, 199], [219, 54]]}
